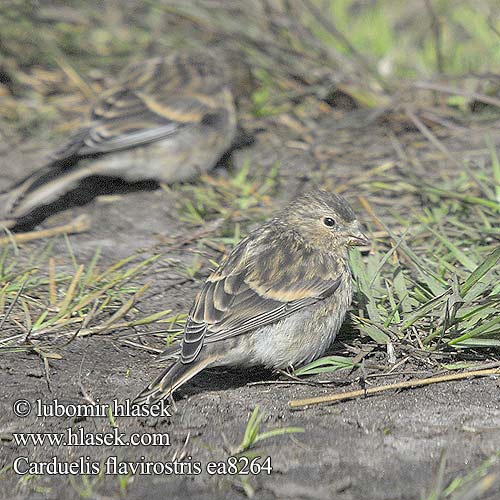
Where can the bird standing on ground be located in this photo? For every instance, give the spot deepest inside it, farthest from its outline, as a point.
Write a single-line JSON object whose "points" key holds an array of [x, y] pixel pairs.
{"points": [[167, 119], [277, 300]]}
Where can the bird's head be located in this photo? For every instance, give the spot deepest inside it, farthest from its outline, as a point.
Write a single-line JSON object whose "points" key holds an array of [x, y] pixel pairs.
{"points": [[325, 221]]}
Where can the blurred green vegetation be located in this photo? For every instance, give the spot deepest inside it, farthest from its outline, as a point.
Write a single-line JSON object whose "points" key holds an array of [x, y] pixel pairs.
{"points": [[71, 48], [402, 38]]}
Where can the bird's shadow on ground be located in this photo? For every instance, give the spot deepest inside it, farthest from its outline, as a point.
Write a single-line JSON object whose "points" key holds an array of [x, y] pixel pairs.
{"points": [[87, 190], [94, 186], [224, 379]]}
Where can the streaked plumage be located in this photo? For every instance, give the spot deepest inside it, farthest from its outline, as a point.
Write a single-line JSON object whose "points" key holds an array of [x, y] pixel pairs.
{"points": [[277, 300], [167, 119]]}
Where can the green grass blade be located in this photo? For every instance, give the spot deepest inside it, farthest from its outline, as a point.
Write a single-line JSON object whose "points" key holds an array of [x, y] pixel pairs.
{"points": [[480, 271]]}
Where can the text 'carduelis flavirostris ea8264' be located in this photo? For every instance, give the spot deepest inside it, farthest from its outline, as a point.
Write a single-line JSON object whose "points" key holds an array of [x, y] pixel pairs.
{"points": [[167, 119], [277, 300]]}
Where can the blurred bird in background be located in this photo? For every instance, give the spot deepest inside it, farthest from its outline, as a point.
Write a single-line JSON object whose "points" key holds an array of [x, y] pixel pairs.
{"points": [[167, 119], [277, 300]]}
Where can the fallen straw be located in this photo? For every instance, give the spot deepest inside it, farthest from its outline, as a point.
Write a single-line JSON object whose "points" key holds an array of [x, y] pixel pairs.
{"points": [[331, 398], [78, 225]]}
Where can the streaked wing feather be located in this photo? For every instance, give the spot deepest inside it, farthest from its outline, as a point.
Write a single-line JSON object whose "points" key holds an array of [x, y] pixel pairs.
{"points": [[246, 293], [153, 100], [193, 340], [123, 140], [265, 312]]}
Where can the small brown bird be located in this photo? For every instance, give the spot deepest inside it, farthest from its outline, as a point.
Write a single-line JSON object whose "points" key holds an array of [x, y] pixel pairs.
{"points": [[277, 300], [167, 119]]}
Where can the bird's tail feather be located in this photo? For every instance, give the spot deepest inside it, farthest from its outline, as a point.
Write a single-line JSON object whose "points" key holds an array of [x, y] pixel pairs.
{"points": [[12, 196], [41, 188], [169, 353], [169, 381]]}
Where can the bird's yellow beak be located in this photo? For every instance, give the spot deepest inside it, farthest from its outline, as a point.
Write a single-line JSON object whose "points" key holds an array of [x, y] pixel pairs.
{"points": [[358, 238]]}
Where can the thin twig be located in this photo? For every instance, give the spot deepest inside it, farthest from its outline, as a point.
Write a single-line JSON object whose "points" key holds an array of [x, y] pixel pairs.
{"points": [[331, 398], [436, 31], [424, 130], [16, 298], [78, 225], [445, 89]]}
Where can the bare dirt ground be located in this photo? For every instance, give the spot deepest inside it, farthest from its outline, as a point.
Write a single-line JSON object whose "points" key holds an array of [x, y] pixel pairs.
{"points": [[382, 447]]}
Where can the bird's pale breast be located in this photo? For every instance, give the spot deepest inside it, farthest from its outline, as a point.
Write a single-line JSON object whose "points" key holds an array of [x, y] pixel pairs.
{"points": [[295, 340]]}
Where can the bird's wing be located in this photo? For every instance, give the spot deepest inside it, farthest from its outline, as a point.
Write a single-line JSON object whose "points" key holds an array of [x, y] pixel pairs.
{"points": [[153, 99], [258, 284]]}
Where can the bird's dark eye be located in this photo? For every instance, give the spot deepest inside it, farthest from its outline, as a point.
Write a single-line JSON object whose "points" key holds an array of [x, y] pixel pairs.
{"points": [[329, 222]]}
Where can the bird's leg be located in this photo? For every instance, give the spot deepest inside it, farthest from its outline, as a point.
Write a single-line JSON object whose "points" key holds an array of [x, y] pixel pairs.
{"points": [[288, 372]]}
